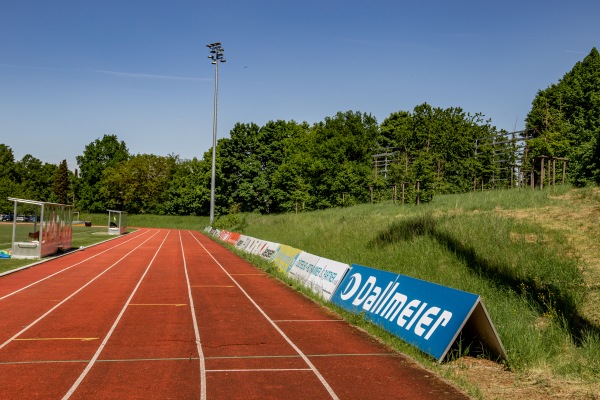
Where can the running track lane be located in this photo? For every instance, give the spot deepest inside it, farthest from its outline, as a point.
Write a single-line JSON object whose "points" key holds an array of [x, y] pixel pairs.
{"points": [[171, 314]]}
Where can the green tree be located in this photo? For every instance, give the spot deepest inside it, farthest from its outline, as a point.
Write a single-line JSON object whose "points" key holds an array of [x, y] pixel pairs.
{"points": [[239, 166], [61, 183], [565, 120], [438, 148], [7, 178], [273, 141], [291, 187], [98, 156], [138, 185], [34, 179], [340, 144], [189, 190]]}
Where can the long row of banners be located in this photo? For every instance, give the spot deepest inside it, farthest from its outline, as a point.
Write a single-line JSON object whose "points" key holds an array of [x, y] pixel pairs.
{"points": [[426, 315]]}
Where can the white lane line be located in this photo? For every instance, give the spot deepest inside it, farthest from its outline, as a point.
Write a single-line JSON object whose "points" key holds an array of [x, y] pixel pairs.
{"points": [[113, 327], [196, 330], [72, 294], [260, 370], [74, 265], [287, 339], [187, 359], [213, 286], [41, 339], [308, 320]]}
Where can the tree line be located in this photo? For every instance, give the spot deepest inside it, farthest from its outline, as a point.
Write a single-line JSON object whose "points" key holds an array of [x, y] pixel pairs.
{"points": [[288, 166]]}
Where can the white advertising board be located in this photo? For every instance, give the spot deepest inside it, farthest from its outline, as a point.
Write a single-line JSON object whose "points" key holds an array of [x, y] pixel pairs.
{"points": [[303, 266], [242, 241], [326, 277], [269, 250]]}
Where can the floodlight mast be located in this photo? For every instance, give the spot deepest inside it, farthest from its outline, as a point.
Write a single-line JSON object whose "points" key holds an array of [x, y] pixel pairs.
{"points": [[216, 55]]}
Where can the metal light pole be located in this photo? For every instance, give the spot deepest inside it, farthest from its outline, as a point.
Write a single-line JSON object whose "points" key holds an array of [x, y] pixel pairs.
{"points": [[216, 55]]}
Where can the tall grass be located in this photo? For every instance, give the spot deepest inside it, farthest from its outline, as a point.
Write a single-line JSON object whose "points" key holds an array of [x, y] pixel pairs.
{"points": [[532, 289]]}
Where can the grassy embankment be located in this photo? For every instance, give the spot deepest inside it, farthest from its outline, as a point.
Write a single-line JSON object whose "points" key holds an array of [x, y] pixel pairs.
{"points": [[532, 256]]}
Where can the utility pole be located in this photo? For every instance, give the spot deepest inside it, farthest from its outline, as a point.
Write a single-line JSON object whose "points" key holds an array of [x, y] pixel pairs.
{"points": [[216, 55]]}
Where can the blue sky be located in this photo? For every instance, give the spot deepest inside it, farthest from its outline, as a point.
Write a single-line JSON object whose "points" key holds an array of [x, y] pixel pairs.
{"points": [[72, 71]]}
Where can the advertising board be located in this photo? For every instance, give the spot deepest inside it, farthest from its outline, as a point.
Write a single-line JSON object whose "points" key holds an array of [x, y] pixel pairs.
{"points": [[424, 314], [269, 250], [326, 277], [285, 256], [303, 266], [233, 238], [242, 242]]}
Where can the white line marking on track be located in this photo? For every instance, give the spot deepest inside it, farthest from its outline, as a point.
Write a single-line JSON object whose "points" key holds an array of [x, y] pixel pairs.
{"points": [[72, 294], [187, 359], [287, 339], [83, 339], [113, 327], [213, 286], [308, 320], [196, 330], [260, 370], [67, 268]]}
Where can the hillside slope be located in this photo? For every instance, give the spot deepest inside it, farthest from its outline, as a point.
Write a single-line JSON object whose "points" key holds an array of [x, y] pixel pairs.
{"points": [[533, 257]]}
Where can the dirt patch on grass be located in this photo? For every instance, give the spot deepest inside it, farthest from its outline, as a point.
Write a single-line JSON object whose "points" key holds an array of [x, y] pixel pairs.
{"points": [[529, 238], [495, 382], [577, 217]]}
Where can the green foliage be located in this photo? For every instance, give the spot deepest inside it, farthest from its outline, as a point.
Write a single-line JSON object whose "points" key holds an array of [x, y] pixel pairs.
{"points": [[61, 183], [440, 148], [234, 222], [189, 190], [27, 178], [34, 179], [7, 177], [138, 185], [565, 120], [286, 166], [341, 151], [98, 156]]}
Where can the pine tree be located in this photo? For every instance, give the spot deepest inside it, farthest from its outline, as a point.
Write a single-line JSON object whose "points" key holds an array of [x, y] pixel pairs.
{"points": [[61, 182]]}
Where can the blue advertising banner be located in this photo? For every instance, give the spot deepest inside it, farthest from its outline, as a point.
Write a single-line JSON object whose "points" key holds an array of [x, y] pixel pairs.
{"points": [[424, 314]]}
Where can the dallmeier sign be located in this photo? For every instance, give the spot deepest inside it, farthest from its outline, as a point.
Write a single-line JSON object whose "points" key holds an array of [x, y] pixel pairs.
{"points": [[424, 314]]}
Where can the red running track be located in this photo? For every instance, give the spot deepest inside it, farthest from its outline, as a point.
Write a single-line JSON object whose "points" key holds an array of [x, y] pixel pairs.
{"points": [[168, 314]]}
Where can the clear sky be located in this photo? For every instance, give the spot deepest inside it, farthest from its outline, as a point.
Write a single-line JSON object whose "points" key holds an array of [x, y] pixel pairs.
{"points": [[74, 70]]}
